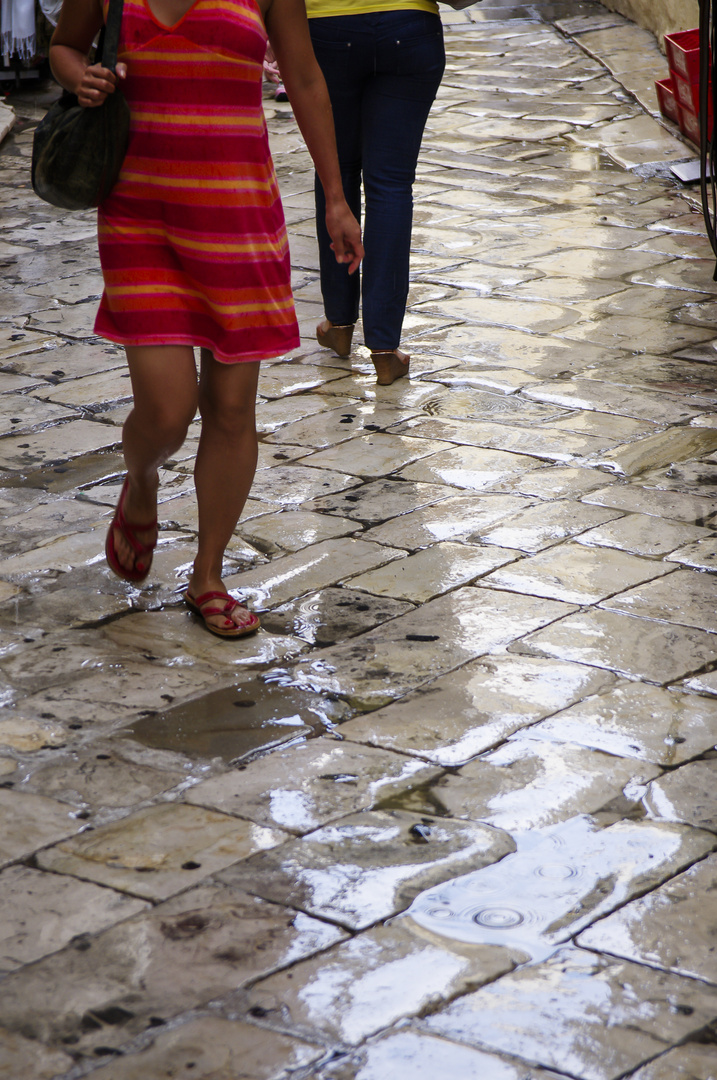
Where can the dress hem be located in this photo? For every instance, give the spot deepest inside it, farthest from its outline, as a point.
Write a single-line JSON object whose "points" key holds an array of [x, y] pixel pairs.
{"points": [[195, 342]]}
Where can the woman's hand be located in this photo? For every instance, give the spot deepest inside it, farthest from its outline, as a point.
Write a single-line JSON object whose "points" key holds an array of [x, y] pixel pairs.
{"points": [[96, 83], [345, 234]]}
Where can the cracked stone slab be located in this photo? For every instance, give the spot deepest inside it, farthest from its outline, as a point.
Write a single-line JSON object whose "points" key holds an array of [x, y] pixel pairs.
{"points": [[378, 500], [332, 615], [654, 451], [31, 822], [25, 1057], [529, 784], [44, 912], [57, 444], [544, 441], [456, 518], [426, 1057], [572, 572], [619, 331], [458, 716], [541, 526], [612, 1015], [637, 534], [337, 425], [415, 648], [370, 982], [294, 530], [590, 394], [555, 482], [560, 880], [315, 567], [304, 787], [468, 467], [674, 505], [670, 929], [116, 984], [681, 725], [691, 1061], [177, 635], [684, 597], [160, 850], [368, 866], [432, 571], [120, 688], [655, 652], [100, 777], [211, 1048], [686, 794], [373, 455], [295, 484]]}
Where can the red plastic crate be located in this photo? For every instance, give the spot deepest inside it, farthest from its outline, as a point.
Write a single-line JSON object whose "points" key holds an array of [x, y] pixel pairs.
{"points": [[687, 93], [666, 98], [690, 125], [683, 53]]}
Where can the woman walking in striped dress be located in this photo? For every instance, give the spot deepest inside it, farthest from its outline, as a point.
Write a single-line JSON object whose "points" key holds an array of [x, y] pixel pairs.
{"points": [[194, 250]]}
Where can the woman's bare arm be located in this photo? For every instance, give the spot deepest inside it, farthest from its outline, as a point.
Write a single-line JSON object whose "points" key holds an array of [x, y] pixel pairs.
{"points": [[288, 31], [77, 27]]}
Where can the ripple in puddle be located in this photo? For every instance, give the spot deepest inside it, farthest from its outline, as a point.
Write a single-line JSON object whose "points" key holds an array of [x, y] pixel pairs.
{"points": [[559, 880]]}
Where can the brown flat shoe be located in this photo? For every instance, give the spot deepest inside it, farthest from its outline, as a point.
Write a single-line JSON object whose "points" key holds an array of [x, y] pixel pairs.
{"points": [[337, 338], [389, 366]]}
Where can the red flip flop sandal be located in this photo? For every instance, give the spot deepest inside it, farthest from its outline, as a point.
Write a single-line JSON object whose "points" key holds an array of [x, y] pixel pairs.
{"points": [[198, 604], [142, 552]]}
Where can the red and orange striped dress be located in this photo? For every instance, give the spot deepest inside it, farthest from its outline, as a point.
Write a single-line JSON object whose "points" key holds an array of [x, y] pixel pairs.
{"points": [[192, 239]]}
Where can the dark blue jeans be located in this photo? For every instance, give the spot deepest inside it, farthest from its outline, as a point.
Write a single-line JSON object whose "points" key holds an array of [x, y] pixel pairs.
{"points": [[383, 71]]}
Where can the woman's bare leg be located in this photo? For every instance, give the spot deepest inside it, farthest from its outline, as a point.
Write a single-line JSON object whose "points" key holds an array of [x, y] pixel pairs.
{"points": [[225, 467], [164, 384]]}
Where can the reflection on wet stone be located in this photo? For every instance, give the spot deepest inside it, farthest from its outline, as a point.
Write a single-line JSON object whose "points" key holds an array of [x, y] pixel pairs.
{"points": [[237, 722], [559, 880], [368, 866]]}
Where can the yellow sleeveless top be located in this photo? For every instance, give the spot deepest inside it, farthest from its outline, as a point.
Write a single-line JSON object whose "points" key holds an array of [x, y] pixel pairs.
{"points": [[316, 9]]}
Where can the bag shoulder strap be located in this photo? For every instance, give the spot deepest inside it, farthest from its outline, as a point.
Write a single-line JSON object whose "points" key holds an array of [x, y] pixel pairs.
{"points": [[110, 42]]}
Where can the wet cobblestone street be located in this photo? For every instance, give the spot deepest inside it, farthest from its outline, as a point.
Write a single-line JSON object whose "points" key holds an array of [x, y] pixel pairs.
{"points": [[452, 811]]}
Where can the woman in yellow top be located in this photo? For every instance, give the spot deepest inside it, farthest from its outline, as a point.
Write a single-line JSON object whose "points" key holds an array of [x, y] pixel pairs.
{"points": [[383, 61]]}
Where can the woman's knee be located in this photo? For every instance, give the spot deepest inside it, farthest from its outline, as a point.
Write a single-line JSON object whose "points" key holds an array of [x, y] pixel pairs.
{"points": [[227, 397]]}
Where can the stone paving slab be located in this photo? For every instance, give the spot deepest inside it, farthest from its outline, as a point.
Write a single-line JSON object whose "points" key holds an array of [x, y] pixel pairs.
{"points": [[426, 1057], [528, 784], [303, 787], [44, 912], [368, 866], [211, 1048], [689, 1062], [404, 653], [369, 982], [159, 851], [687, 794], [651, 651], [561, 879], [114, 984], [613, 1015], [681, 725], [665, 929], [470, 710]]}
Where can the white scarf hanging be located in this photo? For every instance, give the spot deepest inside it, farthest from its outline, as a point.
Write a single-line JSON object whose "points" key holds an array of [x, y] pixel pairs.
{"points": [[17, 29]]}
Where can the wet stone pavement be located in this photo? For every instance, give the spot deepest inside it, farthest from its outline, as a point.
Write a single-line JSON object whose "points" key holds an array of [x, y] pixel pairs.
{"points": [[452, 811]]}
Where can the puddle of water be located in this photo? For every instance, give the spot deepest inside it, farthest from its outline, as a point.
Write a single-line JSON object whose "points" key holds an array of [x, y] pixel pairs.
{"points": [[559, 880], [237, 723]]}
